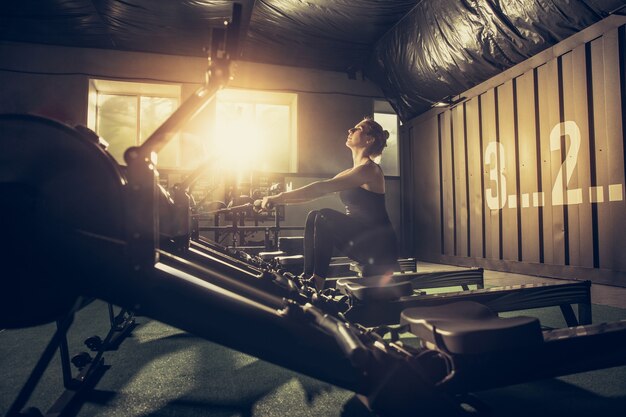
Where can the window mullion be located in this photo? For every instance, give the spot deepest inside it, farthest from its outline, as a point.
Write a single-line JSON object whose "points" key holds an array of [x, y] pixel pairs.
{"points": [[138, 127], [97, 125]]}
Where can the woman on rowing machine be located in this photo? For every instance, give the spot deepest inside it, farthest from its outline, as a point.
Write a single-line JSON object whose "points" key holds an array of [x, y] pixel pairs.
{"points": [[364, 233]]}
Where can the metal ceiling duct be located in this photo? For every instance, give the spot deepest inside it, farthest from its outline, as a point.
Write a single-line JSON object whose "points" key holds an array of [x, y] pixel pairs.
{"points": [[442, 48], [332, 35]]}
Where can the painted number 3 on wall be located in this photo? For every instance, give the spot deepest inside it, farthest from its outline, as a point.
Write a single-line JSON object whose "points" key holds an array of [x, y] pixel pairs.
{"points": [[496, 193]]}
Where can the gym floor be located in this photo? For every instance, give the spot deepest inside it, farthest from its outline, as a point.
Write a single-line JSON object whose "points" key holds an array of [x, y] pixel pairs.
{"points": [[161, 371]]}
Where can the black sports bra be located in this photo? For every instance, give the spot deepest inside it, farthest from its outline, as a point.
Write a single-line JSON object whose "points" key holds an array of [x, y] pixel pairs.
{"points": [[365, 205]]}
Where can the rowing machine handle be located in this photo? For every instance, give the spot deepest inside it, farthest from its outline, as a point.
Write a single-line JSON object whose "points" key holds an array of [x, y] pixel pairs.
{"points": [[258, 207], [348, 341]]}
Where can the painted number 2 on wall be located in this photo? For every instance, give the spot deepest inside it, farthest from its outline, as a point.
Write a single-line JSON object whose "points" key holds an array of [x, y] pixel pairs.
{"points": [[562, 193]]}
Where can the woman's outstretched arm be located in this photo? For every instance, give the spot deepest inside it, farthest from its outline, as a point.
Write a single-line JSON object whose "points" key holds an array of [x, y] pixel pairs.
{"points": [[354, 177]]}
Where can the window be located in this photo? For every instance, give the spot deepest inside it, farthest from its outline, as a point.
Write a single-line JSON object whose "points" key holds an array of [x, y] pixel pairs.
{"points": [[383, 114], [125, 114], [255, 131]]}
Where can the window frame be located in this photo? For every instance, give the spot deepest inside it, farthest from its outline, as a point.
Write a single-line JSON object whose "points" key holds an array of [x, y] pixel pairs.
{"points": [[383, 107], [138, 90]]}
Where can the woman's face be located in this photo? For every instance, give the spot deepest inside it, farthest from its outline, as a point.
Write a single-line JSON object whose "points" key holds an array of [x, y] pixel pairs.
{"points": [[357, 136]]}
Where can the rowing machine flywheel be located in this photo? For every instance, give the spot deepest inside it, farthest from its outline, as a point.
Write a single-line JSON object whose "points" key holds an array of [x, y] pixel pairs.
{"points": [[61, 215]]}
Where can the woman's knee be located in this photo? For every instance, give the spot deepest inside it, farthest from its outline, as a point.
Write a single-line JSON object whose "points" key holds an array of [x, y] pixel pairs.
{"points": [[326, 218], [328, 212], [312, 214], [310, 219], [331, 216]]}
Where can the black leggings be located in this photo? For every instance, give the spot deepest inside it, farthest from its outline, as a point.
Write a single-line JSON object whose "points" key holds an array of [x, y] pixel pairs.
{"points": [[326, 229]]}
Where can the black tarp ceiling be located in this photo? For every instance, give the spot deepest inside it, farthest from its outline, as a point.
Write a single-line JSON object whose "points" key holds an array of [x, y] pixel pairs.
{"points": [[442, 48], [417, 51]]}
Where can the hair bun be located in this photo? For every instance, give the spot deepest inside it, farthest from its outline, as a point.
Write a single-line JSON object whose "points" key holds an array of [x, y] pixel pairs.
{"points": [[386, 134]]}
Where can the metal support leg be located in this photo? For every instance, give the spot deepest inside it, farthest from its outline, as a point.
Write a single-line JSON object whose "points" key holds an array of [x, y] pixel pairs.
{"points": [[584, 313], [40, 367], [568, 315]]}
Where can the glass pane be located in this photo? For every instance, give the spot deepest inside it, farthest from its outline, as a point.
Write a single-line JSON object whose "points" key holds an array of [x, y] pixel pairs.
{"points": [[235, 144], [274, 133], [154, 111], [389, 159], [252, 136], [117, 123]]}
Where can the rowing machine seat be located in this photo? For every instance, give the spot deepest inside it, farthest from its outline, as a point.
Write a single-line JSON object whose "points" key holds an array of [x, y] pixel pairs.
{"points": [[401, 266], [291, 263], [380, 288], [471, 328]]}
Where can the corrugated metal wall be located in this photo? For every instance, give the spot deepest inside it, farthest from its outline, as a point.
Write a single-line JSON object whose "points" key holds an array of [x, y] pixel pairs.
{"points": [[528, 175]]}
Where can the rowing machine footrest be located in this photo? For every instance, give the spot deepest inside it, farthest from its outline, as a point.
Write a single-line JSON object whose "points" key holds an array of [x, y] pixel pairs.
{"points": [[381, 288], [340, 270], [291, 245], [367, 271], [268, 256], [471, 328]]}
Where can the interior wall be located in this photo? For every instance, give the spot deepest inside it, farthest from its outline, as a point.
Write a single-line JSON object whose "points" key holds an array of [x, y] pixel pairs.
{"points": [[528, 173], [53, 81]]}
